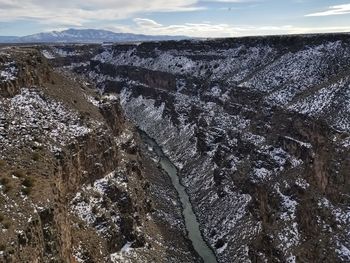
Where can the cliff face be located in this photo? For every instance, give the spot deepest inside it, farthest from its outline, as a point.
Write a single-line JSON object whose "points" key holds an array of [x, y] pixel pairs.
{"points": [[259, 128], [20, 69], [75, 185]]}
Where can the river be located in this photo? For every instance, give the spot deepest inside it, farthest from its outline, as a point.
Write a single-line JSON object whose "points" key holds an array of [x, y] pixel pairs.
{"points": [[191, 222]]}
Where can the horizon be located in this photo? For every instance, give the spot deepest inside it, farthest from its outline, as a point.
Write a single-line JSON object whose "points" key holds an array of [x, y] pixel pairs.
{"points": [[193, 18], [189, 37]]}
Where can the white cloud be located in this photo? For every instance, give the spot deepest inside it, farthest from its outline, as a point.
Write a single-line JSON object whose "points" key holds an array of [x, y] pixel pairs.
{"points": [[334, 10], [143, 22], [81, 13], [207, 29], [233, 1], [76, 13], [148, 26]]}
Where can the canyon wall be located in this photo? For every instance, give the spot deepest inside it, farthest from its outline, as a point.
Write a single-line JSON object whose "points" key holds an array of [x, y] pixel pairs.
{"points": [[75, 182]]}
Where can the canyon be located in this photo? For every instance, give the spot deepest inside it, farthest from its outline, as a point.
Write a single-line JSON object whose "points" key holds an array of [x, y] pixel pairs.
{"points": [[256, 130]]}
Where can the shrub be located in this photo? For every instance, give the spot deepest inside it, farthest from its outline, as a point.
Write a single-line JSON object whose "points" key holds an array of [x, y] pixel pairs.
{"points": [[26, 191], [7, 188], [4, 181], [6, 224], [28, 182], [2, 163], [19, 173], [94, 210], [36, 156]]}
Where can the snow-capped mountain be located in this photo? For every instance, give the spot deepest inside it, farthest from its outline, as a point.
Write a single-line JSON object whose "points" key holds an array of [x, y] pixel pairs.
{"points": [[84, 36]]}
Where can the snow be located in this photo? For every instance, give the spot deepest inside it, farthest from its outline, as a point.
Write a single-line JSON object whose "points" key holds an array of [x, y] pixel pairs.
{"points": [[221, 249], [289, 204], [60, 52], [47, 54], [261, 174], [294, 70], [341, 238], [78, 254], [343, 252], [291, 259], [302, 183], [127, 247], [171, 61], [289, 236], [88, 203], [31, 116], [93, 101], [304, 144], [8, 72]]}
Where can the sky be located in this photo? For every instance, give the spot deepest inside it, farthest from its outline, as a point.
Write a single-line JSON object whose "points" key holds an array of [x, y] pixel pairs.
{"points": [[197, 18]]}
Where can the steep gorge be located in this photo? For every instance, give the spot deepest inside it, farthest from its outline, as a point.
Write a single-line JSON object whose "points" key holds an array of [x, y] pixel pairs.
{"points": [[259, 129]]}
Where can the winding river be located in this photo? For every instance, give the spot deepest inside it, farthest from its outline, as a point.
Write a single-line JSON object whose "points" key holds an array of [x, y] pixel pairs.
{"points": [[191, 222]]}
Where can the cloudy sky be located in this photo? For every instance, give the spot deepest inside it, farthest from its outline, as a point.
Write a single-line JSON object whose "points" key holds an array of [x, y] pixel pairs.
{"points": [[200, 18]]}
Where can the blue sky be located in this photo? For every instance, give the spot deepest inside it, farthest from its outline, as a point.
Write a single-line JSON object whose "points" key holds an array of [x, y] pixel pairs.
{"points": [[200, 18]]}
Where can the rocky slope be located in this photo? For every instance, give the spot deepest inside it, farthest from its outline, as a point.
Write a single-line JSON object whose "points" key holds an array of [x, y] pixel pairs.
{"points": [[75, 182], [259, 128]]}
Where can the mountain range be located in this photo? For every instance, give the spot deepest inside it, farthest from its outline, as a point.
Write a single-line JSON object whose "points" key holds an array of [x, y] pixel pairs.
{"points": [[85, 36]]}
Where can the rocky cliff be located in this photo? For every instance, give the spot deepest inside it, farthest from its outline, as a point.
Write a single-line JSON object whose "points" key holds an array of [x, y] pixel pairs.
{"points": [[259, 129], [75, 183]]}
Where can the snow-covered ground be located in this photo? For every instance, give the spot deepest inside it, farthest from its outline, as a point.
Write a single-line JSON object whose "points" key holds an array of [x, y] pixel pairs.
{"points": [[31, 118]]}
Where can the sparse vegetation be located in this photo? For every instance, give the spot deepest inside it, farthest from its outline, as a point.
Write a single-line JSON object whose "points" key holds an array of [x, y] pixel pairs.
{"points": [[97, 195], [2, 247], [28, 182], [94, 210], [6, 224], [26, 191], [81, 225], [2, 163], [36, 156], [4, 181], [19, 173], [7, 188]]}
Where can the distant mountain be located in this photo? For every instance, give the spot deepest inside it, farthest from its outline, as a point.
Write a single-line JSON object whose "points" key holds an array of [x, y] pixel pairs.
{"points": [[8, 39], [85, 36]]}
